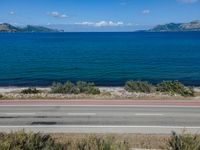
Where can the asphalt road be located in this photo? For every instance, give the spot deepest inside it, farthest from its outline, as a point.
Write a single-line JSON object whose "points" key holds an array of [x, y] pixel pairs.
{"points": [[100, 119]]}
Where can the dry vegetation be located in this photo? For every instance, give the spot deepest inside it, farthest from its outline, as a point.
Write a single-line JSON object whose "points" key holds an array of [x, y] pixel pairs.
{"points": [[37, 141], [133, 140], [134, 90]]}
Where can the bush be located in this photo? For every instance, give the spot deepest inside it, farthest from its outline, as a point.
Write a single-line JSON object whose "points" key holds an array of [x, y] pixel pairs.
{"points": [[87, 87], [31, 141], [175, 87], [139, 86], [184, 142], [67, 88], [37, 141], [70, 88], [30, 91], [1, 96], [98, 143]]}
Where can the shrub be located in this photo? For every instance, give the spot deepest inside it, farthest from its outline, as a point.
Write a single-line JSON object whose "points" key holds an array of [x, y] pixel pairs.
{"points": [[31, 141], [70, 88], [139, 86], [30, 91], [175, 87], [1, 96], [67, 88], [37, 141], [87, 87], [184, 142], [97, 143]]}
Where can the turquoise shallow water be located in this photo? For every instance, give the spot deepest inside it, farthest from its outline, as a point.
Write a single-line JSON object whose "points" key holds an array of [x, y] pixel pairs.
{"points": [[108, 59]]}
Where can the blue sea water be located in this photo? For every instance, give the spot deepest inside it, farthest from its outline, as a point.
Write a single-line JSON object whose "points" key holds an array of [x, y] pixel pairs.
{"points": [[108, 59]]}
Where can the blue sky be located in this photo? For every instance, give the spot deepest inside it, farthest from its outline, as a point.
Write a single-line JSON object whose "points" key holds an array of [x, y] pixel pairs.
{"points": [[97, 15]]}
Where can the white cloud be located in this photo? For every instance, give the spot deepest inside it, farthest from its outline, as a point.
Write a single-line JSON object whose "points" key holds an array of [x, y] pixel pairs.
{"points": [[11, 12], [109, 23], [146, 11], [86, 23], [101, 23], [57, 14], [187, 1]]}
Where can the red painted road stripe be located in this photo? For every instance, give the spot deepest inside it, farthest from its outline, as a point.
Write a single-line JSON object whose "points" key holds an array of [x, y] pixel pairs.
{"points": [[102, 102]]}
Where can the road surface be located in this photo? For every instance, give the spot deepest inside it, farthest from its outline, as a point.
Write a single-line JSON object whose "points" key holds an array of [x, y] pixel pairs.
{"points": [[100, 118]]}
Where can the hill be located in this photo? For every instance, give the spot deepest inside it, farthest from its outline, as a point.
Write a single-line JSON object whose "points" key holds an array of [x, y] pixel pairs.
{"points": [[5, 27], [177, 27]]}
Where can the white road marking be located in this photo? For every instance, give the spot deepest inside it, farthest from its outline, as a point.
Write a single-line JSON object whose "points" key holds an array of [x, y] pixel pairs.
{"points": [[100, 126], [147, 114], [81, 114], [101, 129], [18, 114], [139, 106]]}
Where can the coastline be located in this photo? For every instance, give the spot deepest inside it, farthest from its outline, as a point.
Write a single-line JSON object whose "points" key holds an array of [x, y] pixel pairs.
{"points": [[107, 93]]}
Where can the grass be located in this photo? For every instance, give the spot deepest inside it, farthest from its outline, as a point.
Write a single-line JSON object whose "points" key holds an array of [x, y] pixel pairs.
{"points": [[30, 91], [184, 142], [37, 141], [131, 140], [31, 141], [78, 88]]}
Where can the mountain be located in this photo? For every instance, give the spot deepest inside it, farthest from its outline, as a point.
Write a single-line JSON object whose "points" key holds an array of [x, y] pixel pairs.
{"points": [[30, 28], [5, 27], [177, 27]]}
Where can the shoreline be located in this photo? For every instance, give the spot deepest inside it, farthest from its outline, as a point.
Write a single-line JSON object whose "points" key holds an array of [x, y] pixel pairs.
{"points": [[107, 93], [15, 88], [4, 89]]}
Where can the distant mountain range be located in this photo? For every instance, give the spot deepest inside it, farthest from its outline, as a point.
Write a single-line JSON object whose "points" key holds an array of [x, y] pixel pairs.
{"points": [[5, 27], [170, 27], [177, 27]]}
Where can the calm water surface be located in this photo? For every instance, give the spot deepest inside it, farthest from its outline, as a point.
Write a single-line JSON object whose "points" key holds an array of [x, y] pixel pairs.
{"points": [[38, 59]]}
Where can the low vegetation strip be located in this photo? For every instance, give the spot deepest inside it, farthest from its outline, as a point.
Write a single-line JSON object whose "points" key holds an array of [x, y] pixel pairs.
{"points": [[171, 87], [78, 88], [38, 141], [86, 90]]}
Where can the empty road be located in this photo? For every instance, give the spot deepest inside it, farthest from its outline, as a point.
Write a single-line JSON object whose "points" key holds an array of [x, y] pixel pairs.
{"points": [[155, 119]]}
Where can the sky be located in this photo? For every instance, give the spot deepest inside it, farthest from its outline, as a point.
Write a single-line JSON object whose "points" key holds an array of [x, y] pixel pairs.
{"points": [[98, 15]]}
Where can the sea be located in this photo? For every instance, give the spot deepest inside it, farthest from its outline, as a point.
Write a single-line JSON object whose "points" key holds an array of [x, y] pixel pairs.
{"points": [[107, 59]]}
